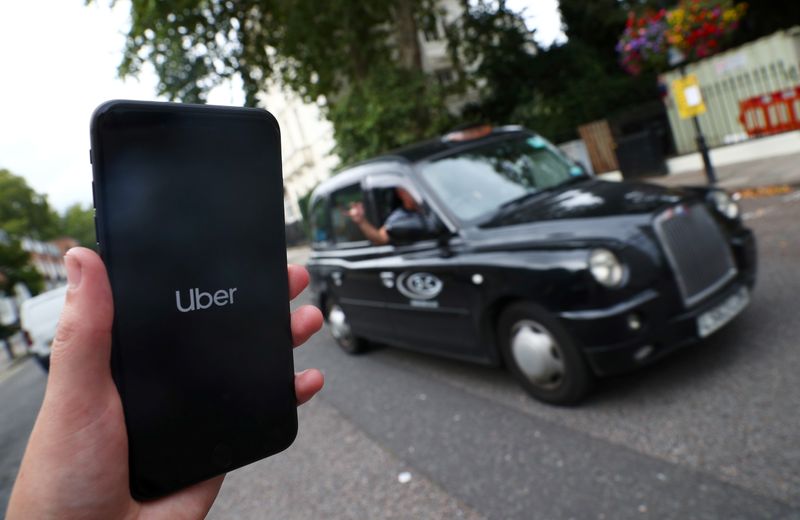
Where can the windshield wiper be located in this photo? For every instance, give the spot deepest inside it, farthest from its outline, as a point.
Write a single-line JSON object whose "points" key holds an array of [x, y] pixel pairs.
{"points": [[533, 194], [506, 207]]}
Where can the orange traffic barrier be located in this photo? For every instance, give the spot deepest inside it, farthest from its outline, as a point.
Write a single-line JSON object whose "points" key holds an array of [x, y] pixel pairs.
{"points": [[771, 113]]}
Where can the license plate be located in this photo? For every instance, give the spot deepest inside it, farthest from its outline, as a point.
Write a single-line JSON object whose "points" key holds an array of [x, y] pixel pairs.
{"points": [[710, 321]]}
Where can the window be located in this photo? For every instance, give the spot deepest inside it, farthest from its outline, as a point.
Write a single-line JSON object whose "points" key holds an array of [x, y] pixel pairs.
{"points": [[320, 223], [385, 201], [344, 229], [477, 182]]}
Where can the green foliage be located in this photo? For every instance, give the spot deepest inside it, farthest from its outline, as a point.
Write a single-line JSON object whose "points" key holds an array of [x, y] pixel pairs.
{"points": [[576, 88], [387, 110], [766, 17], [195, 44], [340, 55], [23, 212], [78, 222], [14, 268], [304, 203], [550, 90], [493, 43]]}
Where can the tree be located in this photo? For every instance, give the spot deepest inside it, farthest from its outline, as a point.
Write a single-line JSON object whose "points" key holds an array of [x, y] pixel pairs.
{"points": [[23, 212], [580, 81], [765, 17], [342, 55], [495, 51], [15, 268], [78, 222]]}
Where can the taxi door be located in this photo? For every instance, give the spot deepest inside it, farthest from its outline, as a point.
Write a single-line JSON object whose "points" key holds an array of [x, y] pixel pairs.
{"points": [[352, 269], [429, 299]]}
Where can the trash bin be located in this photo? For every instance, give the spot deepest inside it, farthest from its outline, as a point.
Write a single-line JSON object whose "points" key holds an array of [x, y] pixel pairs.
{"points": [[641, 155]]}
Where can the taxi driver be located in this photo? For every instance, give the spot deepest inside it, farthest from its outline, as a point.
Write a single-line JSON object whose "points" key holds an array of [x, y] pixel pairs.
{"points": [[409, 210]]}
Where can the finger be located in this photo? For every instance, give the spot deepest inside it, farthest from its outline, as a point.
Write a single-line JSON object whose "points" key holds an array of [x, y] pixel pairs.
{"points": [[305, 322], [307, 383], [298, 280], [82, 346]]}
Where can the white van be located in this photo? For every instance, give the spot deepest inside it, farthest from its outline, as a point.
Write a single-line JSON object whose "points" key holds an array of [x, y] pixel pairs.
{"points": [[38, 320]]}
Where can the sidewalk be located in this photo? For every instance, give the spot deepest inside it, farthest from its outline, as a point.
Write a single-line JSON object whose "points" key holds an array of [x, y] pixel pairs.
{"points": [[780, 170]]}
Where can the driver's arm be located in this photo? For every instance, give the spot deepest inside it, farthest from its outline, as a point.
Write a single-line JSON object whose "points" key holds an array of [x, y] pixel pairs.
{"points": [[377, 236]]}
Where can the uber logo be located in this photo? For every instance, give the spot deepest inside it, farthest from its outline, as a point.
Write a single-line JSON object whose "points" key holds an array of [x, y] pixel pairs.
{"points": [[419, 286], [199, 300]]}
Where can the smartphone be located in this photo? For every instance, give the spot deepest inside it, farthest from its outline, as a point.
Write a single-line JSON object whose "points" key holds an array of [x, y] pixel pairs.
{"points": [[189, 222]]}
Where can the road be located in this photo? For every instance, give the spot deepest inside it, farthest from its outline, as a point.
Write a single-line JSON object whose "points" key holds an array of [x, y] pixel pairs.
{"points": [[21, 392], [710, 432]]}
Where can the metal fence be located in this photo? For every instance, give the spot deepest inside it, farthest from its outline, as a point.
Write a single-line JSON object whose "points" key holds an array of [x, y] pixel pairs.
{"points": [[767, 65]]}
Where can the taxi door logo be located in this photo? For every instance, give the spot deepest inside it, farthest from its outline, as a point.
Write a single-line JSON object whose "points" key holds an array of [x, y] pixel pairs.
{"points": [[419, 286]]}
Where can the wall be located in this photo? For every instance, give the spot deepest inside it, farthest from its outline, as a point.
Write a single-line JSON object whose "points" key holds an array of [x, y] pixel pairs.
{"points": [[766, 65]]}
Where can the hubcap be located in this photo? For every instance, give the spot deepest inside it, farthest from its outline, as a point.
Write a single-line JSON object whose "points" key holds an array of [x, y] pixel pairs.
{"points": [[339, 326], [537, 354]]}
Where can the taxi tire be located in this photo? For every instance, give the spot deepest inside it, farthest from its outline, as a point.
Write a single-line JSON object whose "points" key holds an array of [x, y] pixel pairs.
{"points": [[353, 345], [577, 379]]}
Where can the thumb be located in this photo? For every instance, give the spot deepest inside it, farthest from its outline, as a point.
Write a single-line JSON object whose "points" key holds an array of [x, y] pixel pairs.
{"points": [[80, 355]]}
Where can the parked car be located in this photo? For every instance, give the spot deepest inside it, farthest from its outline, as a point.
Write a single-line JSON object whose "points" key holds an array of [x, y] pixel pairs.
{"points": [[38, 320], [527, 261]]}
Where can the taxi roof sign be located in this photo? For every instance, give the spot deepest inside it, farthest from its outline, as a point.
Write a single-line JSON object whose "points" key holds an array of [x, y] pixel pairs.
{"points": [[468, 134]]}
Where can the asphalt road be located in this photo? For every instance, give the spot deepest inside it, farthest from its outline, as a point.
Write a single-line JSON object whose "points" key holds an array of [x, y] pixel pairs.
{"points": [[711, 432]]}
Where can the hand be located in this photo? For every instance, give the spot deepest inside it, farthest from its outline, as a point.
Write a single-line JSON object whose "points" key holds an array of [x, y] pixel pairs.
{"points": [[356, 212], [76, 462]]}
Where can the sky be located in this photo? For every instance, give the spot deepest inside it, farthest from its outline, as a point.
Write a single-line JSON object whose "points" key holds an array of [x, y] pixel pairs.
{"points": [[58, 61]]}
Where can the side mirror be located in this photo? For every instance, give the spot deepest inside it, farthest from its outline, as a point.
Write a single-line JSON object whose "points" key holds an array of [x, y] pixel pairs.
{"points": [[411, 228]]}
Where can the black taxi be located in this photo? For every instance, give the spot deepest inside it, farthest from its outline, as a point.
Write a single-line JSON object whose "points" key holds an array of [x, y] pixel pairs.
{"points": [[509, 253]]}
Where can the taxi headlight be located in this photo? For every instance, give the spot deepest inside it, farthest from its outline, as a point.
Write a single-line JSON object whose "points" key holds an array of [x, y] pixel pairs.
{"points": [[606, 268], [724, 204]]}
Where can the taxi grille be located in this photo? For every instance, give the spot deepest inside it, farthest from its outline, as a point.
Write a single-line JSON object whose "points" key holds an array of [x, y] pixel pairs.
{"points": [[696, 249]]}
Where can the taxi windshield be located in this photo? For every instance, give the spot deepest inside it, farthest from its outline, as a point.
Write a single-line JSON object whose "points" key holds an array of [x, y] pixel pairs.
{"points": [[478, 182]]}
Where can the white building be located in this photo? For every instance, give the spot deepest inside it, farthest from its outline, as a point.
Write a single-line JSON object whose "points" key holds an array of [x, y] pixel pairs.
{"points": [[306, 147]]}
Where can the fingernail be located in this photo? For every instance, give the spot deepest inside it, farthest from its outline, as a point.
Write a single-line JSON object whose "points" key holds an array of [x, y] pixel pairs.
{"points": [[73, 266]]}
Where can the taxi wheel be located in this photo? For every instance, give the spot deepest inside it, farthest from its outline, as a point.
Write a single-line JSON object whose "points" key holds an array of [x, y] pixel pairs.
{"points": [[542, 355], [341, 332]]}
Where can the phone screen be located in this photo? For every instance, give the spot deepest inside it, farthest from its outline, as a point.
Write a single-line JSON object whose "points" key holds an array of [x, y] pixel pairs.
{"points": [[189, 204]]}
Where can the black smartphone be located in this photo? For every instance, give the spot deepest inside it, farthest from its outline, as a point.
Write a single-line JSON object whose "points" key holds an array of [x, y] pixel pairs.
{"points": [[189, 221]]}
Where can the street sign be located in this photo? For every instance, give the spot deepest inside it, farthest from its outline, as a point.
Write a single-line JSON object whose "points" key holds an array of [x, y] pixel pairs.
{"points": [[688, 96]]}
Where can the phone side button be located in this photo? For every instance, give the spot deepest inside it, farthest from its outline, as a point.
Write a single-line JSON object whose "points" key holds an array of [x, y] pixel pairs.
{"points": [[97, 236], [90, 156]]}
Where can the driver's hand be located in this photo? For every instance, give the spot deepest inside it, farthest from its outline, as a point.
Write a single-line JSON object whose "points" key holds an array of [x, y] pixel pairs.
{"points": [[76, 462], [356, 212]]}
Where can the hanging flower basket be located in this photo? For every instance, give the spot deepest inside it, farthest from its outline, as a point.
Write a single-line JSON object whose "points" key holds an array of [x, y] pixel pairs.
{"points": [[695, 28]]}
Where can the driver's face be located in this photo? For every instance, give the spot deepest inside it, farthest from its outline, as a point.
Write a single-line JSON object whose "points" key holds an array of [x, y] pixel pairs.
{"points": [[408, 201]]}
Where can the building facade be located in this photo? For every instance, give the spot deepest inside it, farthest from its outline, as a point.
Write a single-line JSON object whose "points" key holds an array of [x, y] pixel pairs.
{"points": [[48, 259]]}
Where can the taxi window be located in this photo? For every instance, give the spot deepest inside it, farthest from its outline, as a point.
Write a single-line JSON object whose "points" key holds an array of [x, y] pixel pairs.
{"points": [[478, 181], [344, 229], [320, 223], [386, 201]]}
